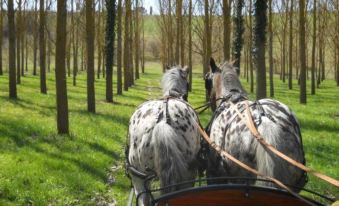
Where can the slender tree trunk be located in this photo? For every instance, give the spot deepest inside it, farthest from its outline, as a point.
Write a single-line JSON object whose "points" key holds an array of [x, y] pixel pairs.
{"points": [[119, 49], [227, 29], [260, 7], [290, 74], [1, 35], [60, 72], [11, 51], [90, 56], [302, 52], [35, 37], [42, 44], [130, 45], [109, 50], [313, 46], [143, 45], [178, 33], [18, 43], [75, 34], [126, 47], [190, 45], [99, 40], [270, 52], [251, 46], [137, 40], [239, 30]]}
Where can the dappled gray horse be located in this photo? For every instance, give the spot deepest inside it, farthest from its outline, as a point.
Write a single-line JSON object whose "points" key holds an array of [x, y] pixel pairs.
{"points": [[274, 120], [163, 137]]}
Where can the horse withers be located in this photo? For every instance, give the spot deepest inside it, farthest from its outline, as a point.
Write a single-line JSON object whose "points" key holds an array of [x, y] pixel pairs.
{"points": [[274, 121], [163, 137]]}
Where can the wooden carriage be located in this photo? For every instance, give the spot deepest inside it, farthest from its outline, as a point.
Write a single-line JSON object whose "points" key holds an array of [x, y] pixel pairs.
{"points": [[243, 194]]}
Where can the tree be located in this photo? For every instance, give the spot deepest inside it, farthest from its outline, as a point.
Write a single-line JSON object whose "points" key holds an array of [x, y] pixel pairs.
{"points": [[238, 32], [18, 42], [1, 36], [137, 39], [11, 51], [109, 47], [126, 46], [42, 45], [119, 49], [270, 47], [313, 46], [90, 55], [60, 70], [302, 51], [98, 38], [178, 9], [227, 28], [190, 44], [35, 36], [260, 7], [290, 56], [75, 40]]}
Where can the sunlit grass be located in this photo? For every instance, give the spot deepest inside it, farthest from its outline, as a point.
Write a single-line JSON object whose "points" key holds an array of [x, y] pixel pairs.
{"points": [[40, 167]]}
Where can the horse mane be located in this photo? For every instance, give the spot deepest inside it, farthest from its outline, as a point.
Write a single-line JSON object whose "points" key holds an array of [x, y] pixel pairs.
{"points": [[174, 80], [230, 80]]}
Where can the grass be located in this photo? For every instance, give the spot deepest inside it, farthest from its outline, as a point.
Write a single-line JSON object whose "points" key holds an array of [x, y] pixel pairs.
{"points": [[40, 167]]}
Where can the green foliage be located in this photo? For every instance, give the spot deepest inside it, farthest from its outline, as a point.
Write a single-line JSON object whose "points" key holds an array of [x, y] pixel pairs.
{"points": [[40, 167]]}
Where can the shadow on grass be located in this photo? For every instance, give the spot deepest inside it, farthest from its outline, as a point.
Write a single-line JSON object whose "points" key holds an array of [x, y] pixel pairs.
{"points": [[317, 126]]}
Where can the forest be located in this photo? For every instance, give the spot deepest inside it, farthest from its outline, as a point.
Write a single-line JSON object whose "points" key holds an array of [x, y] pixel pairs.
{"points": [[72, 72]]}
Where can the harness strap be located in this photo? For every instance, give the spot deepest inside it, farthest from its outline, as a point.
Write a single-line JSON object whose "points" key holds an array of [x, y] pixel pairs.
{"points": [[247, 118], [225, 154]]}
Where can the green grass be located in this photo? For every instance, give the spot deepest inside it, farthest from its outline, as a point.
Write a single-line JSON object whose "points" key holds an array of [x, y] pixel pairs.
{"points": [[40, 167]]}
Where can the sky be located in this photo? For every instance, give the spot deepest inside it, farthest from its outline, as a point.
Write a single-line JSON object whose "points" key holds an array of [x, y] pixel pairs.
{"points": [[154, 4]]}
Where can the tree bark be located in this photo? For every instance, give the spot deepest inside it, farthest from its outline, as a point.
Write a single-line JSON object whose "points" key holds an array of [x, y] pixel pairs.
{"points": [[60, 72], [302, 52], [270, 52], [313, 46], [90, 56], [227, 29], [18, 43], [260, 7], [1, 35], [11, 51], [290, 74], [137, 40], [109, 50], [119, 49], [126, 46], [190, 65], [238, 32], [42, 44], [35, 37], [251, 46]]}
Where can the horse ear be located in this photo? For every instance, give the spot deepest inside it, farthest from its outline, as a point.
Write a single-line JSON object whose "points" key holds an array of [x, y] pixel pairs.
{"points": [[185, 71], [213, 66]]}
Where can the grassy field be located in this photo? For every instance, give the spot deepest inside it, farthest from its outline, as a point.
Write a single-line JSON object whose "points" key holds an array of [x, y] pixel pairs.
{"points": [[39, 167]]}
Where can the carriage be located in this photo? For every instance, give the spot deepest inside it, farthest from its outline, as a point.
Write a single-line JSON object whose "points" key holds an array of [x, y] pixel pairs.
{"points": [[163, 145], [243, 193]]}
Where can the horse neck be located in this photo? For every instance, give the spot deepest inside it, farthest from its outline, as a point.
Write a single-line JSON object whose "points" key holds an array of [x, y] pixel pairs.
{"points": [[232, 87]]}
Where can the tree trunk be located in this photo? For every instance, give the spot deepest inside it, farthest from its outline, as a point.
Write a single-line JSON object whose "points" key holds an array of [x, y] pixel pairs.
{"points": [[119, 49], [270, 52], [126, 47], [90, 56], [75, 34], [302, 52], [42, 44], [178, 33], [313, 46], [227, 29], [99, 40], [251, 46], [60, 72], [35, 37], [1, 35], [143, 45], [260, 7], [190, 45], [109, 50], [18, 43], [11, 51], [137, 40], [290, 74], [238, 32]]}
